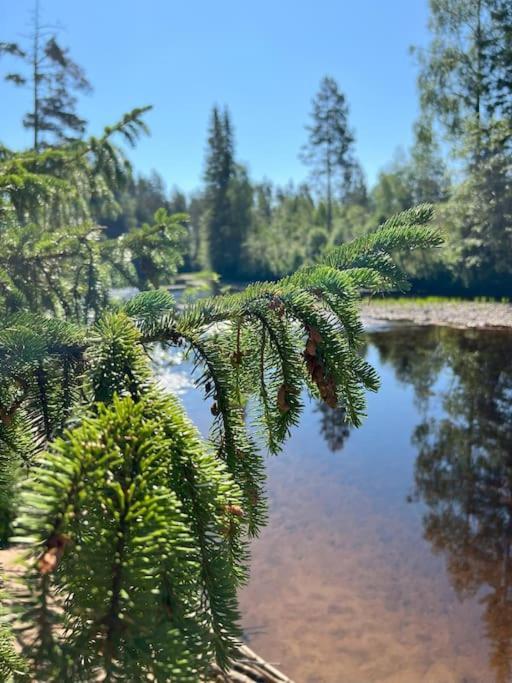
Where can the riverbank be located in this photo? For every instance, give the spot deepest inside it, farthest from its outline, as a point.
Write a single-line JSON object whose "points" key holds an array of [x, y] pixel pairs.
{"points": [[460, 314]]}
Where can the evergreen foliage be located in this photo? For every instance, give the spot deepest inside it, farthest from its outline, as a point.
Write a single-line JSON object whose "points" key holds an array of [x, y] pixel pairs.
{"points": [[52, 76], [463, 77], [227, 200], [136, 527], [330, 146], [54, 256], [465, 87]]}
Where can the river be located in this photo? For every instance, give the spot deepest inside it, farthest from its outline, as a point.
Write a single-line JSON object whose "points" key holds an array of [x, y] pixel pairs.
{"points": [[387, 555]]}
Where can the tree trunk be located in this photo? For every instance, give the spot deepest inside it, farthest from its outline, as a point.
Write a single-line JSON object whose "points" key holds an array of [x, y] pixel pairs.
{"points": [[479, 87], [329, 195], [35, 76]]}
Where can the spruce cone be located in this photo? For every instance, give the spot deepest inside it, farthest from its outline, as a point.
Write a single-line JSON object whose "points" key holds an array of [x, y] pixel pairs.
{"points": [[50, 559], [282, 399], [326, 385]]}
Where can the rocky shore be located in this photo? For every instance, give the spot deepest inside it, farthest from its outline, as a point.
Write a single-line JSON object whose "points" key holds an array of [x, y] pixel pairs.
{"points": [[461, 314]]}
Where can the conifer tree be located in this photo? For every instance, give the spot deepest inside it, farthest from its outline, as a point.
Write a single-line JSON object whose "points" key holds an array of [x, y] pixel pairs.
{"points": [[228, 199], [136, 528], [501, 58], [52, 77], [329, 150]]}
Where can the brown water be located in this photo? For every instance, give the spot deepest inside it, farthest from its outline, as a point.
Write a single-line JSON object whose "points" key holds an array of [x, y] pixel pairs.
{"points": [[387, 556]]}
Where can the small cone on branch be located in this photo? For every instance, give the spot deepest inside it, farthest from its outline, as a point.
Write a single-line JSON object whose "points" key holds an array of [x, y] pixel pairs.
{"points": [[253, 497], [311, 347], [235, 510], [282, 399], [326, 385], [236, 358], [318, 374], [315, 335], [50, 559]]}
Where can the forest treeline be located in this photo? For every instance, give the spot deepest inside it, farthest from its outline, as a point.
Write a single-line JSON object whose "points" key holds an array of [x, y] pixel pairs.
{"points": [[242, 229], [460, 161]]}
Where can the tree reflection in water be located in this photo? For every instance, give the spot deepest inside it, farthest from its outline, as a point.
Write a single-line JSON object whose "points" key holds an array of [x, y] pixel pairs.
{"points": [[463, 471], [333, 425]]}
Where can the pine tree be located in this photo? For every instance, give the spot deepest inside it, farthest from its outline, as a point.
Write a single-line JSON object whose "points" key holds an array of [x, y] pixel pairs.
{"points": [[428, 172], [329, 149], [228, 199], [136, 528], [501, 58], [52, 76], [480, 215]]}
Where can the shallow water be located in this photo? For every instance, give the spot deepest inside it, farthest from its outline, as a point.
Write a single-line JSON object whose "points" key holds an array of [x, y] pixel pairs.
{"points": [[387, 555]]}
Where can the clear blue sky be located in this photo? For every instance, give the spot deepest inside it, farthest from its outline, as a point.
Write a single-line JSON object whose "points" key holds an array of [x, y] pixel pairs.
{"points": [[263, 59]]}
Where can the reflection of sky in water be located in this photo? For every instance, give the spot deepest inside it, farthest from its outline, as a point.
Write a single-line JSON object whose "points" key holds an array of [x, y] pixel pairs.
{"points": [[175, 381], [380, 548], [172, 369]]}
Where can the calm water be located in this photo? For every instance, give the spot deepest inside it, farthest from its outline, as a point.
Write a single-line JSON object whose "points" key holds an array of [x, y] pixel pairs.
{"points": [[387, 557]]}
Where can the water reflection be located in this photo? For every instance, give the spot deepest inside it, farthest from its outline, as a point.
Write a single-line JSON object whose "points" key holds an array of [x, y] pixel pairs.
{"points": [[350, 583], [334, 427], [463, 470]]}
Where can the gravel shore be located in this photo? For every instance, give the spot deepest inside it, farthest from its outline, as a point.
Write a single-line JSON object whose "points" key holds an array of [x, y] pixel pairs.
{"points": [[461, 314]]}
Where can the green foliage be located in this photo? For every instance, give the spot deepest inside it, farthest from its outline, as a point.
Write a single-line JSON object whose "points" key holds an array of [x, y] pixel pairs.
{"points": [[57, 186], [52, 76], [456, 77], [330, 146], [54, 256], [227, 201], [137, 507], [465, 88], [317, 241], [148, 256], [11, 663], [281, 221], [137, 528], [480, 216]]}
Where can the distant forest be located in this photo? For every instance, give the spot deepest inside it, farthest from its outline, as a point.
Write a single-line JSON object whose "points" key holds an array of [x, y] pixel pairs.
{"points": [[243, 229]]}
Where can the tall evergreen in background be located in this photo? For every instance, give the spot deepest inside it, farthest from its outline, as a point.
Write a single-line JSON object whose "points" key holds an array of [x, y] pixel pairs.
{"points": [[228, 199], [218, 173], [458, 73], [465, 87], [501, 57], [330, 147], [429, 174], [52, 77]]}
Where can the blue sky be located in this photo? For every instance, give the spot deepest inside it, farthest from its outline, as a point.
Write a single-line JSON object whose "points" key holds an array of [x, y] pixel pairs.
{"points": [[263, 59]]}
